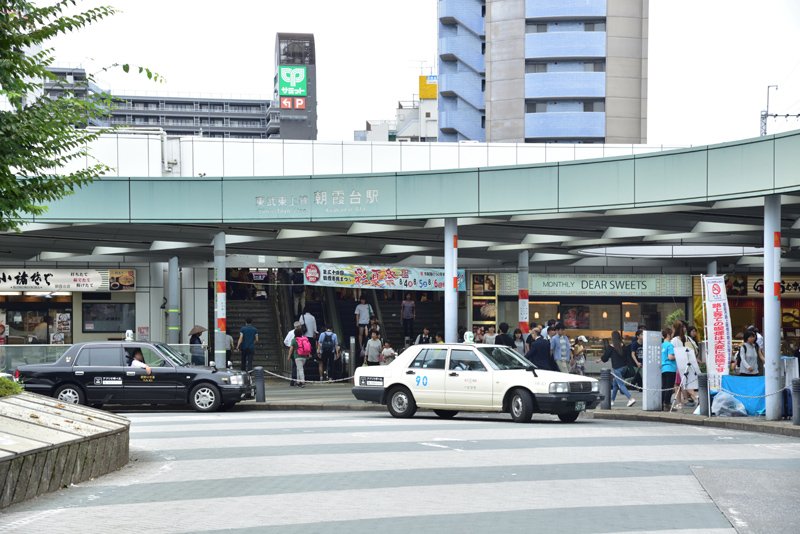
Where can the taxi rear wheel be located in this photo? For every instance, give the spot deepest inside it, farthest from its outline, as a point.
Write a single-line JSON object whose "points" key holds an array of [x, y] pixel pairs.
{"points": [[401, 403], [205, 398], [70, 394], [521, 406], [445, 414], [570, 417]]}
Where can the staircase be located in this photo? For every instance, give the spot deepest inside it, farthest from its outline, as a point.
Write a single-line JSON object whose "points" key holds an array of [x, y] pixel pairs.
{"points": [[430, 314], [269, 348]]}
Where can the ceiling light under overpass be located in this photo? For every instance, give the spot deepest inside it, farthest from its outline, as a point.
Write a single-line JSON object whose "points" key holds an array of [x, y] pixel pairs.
{"points": [[672, 251]]}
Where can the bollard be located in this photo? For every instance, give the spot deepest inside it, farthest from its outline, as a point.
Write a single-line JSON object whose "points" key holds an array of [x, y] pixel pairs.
{"points": [[702, 393], [796, 401], [605, 389], [258, 376]]}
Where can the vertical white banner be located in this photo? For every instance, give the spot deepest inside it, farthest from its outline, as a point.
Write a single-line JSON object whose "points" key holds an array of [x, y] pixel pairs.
{"points": [[718, 329]]}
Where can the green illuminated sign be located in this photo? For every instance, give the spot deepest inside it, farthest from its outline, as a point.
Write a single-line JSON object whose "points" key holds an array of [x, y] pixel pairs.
{"points": [[292, 80]]}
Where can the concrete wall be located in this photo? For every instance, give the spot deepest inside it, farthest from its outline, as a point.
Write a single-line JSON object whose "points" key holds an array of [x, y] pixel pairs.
{"points": [[626, 71], [46, 446], [505, 71]]}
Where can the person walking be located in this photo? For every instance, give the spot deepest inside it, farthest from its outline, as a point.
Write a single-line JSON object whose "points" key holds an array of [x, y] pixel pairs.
{"points": [[299, 352], [298, 280], [746, 362], [578, 361], [408, 312], [540, 355], [387, 354], [228, 347], [560, 347], [248, 336], [425, 337], [196, 349], [503, 338], [309, 322], [619, 362], [490, 336], [328, 349], [287, 341], [362, 314], [372, 350], [668, 369], [519, 342]]}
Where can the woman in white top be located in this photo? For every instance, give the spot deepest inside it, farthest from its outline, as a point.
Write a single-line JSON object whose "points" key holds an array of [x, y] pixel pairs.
{"points": [[679, 340], [519, 342], [490, 336], [749, 354]]}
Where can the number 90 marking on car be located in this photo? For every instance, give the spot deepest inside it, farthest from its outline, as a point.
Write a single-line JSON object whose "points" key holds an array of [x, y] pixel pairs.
{"points": [[422, 381]]}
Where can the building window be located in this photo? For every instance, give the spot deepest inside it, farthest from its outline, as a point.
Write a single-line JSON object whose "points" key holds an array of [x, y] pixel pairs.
{"points": [[535, 67], [483, 121], [594, 66], [534, 27], [483, 85], [483, 10], [596, 106], [594, 27], [535, 107], [483, 48], [427, 114]]}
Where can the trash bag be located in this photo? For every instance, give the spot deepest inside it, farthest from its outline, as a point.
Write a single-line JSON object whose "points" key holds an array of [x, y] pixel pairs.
{"points": [[726, 405]]}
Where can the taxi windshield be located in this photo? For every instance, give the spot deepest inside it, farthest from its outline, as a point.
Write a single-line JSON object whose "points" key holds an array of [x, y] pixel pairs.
{"points": [[173, 355], [503, 358]]}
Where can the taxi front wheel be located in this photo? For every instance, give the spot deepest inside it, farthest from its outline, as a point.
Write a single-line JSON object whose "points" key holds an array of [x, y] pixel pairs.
{"points": [[521, 406], [70, 394], [205, 398], [401, 403]]}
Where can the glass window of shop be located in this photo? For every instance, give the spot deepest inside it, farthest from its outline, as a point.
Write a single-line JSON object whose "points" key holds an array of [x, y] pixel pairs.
{"points": [[595, 319], [35, 320]]}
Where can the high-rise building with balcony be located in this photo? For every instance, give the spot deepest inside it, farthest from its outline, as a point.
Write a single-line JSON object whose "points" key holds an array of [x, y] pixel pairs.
{"points": [[554, 70]]}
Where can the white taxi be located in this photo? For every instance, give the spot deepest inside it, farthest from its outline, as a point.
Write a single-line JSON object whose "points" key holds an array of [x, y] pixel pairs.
{"points": [[453, 377]]}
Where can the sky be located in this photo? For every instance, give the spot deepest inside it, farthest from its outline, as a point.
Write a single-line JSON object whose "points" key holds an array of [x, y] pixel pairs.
{"points": [[710, 61]]}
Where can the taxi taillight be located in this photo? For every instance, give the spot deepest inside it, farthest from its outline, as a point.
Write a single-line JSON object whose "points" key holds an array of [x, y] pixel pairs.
{"points": [[16, 374]]}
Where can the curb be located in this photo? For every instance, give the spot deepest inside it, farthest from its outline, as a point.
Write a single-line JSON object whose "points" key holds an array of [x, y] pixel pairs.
{"points": [[267, 406], [766, 427]]}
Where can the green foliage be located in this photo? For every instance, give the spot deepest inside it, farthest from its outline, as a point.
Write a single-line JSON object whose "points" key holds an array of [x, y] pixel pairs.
{"points": [[9, 387], [676, 315], [38, 135]]}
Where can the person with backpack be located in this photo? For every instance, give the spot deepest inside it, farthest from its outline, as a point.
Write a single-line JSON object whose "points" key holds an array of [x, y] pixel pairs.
{"points": [[328, 350], [299, 352]]}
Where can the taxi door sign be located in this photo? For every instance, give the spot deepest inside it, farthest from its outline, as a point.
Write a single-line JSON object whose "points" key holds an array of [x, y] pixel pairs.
{"points": [[107, 381]]}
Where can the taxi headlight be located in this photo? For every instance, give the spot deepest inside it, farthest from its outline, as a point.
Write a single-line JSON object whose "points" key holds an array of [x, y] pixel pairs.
{"points": [[237, 380], [559, 387], [595, 387]]}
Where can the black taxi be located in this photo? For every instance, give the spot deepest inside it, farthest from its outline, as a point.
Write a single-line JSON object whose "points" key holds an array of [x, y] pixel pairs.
{"points": [[134, 373]]}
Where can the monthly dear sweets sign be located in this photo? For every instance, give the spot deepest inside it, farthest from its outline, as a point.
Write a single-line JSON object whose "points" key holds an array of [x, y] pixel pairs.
{"points": [[73, 280], [377, 277], [622, 285]]}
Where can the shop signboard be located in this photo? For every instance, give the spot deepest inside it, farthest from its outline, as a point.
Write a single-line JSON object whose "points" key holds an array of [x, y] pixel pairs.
{"points": [[610, 285], [484, 298], [718, 329], [70, 280], [790, 286], [292, 80], [377, 277]]}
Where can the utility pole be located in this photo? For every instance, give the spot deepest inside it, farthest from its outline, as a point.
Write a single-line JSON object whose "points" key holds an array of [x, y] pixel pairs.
{"points": [[765, 114]]}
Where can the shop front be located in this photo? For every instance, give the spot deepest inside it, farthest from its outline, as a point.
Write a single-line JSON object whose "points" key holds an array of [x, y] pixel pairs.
{"points": [[746, 301], [592, 305], [63, 306]]}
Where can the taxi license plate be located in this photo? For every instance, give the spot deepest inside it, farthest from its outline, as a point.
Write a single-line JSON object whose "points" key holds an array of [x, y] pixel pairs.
{"points": [[580, 406]]}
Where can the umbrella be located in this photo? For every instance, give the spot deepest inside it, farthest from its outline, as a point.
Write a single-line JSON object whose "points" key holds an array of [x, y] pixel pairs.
{"points": [[197, 330]]}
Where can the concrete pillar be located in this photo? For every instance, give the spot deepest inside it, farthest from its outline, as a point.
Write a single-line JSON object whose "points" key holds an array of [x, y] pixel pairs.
{"points": [[523, 271], [158, 302], [220, 314], [173, 302], [772, 305], [451, 280], [711, 269]]}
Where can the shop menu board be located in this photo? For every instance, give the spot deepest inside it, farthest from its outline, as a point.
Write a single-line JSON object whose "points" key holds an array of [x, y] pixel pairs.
{"points": [[484, 298]]}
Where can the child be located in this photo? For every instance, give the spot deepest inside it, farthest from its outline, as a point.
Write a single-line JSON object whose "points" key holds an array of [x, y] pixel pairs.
{"points": [[387, 354]]}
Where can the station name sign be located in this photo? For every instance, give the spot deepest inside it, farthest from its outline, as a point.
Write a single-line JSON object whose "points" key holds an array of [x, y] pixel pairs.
{"points": [[610, 285]]}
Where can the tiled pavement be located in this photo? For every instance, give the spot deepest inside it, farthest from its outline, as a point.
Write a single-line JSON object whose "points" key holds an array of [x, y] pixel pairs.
{"points": [[363, 471]]}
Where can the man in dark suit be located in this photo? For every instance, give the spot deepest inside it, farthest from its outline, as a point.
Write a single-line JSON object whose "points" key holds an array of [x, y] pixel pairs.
{"points": [[539, 354]]}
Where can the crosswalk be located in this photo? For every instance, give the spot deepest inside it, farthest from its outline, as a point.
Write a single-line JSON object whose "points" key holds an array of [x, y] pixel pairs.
{"points": [[364, 472]]}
